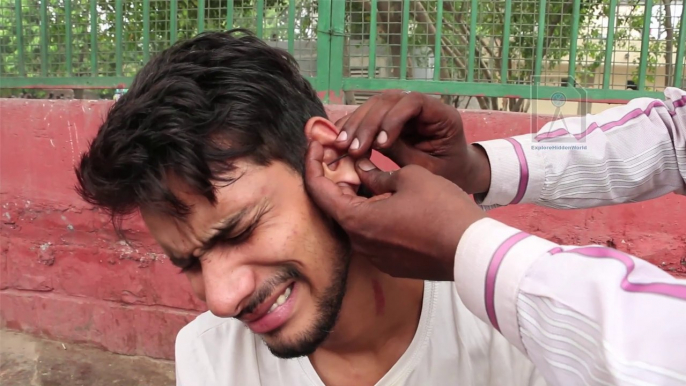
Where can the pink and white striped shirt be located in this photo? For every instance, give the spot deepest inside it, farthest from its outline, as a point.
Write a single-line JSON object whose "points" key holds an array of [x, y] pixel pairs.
{"points": [[585, 315]]}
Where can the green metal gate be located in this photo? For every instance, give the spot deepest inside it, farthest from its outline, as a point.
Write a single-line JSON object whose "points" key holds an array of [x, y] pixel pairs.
{"points": [[433, 46]]}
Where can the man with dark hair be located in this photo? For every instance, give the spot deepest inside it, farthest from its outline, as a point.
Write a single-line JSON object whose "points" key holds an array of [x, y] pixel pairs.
{"points": [[208, 144]]}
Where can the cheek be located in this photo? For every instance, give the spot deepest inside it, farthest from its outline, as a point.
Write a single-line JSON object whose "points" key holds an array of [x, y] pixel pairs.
{"points": [[273, 243], [295, 236], [317, 248], [281, 235]]}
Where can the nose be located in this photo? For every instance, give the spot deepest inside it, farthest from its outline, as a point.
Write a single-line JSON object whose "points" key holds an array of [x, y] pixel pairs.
{"points": [[227, 290]]}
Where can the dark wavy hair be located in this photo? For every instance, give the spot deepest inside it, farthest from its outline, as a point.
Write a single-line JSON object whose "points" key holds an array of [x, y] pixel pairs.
{"points": [[190, 112]]}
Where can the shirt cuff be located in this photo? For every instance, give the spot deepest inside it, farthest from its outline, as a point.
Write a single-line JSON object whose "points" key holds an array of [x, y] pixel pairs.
{"points": [[517, 172], [490, 262]]}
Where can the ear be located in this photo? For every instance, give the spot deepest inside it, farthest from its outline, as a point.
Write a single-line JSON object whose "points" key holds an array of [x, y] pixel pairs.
{"points": [[343, 171]]}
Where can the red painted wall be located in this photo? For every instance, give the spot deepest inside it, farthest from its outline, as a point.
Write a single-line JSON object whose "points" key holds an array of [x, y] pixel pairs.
{"points": [[65, 275]]}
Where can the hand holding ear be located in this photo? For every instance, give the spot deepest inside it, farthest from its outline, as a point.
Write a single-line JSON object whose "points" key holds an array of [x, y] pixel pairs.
{"points": [[409, 228], [416, 129]]}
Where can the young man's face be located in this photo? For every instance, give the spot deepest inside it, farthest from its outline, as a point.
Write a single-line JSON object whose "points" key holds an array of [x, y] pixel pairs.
{"points": [[266, 255]]}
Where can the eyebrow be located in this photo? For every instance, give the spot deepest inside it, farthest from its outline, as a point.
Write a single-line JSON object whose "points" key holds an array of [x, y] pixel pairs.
{"points": [[222, 231]]}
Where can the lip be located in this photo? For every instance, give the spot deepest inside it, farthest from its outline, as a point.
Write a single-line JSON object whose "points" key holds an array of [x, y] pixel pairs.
{"points": [[263, 308], [268, 322]]}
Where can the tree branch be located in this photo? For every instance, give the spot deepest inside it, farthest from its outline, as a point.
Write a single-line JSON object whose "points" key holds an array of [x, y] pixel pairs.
{"points": [[462, 36], [494, 103], [422, 16], [482, 103], [463, 27]]}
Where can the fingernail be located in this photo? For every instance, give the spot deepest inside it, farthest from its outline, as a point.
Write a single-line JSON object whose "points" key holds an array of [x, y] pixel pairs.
{"points": [[366, 165], [355, 145], [342, 136], [382, 138]]}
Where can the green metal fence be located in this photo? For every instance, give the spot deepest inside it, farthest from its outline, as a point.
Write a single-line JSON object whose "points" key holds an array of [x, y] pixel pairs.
{"points": [[596, 50]]}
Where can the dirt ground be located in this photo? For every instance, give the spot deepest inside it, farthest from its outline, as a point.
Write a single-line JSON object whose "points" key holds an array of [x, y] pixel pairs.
{"points": [[27, 361]]}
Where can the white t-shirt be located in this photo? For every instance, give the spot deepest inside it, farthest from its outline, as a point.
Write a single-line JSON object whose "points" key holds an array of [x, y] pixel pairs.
{"points": [[451, 347]]}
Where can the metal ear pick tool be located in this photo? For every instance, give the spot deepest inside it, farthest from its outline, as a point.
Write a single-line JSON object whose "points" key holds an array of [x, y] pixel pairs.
{"points": [[337, 159]]}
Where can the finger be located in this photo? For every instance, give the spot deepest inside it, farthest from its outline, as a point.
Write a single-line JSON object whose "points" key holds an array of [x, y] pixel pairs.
{"points": [[376, 180], [347, 137], [314, 160], [349, 127], [368, 133], [341, 122], [393, 127], [407, 108], [324, 192]]}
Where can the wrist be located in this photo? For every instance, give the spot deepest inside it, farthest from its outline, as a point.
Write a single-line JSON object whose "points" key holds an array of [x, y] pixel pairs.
{"points": [[480, 175]]}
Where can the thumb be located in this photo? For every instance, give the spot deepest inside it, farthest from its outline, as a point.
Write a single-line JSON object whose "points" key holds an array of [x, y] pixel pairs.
{"points": [[379, 182], [323, 191]]}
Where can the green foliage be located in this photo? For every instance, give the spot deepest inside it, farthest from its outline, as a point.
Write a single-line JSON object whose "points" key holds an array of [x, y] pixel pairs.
{"points": [[244, 14], [489, 33]]}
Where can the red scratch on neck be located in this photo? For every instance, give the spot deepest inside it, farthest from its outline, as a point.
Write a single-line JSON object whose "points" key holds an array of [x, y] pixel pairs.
{"points": [[379, 299]]}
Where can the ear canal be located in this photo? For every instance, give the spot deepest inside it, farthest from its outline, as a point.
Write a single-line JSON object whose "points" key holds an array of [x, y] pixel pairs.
{"points": [[342, 171]]}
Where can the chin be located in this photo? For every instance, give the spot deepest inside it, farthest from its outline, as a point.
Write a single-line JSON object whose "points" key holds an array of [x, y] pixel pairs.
{"points": [[298, 341], [302, 339], [295, 345]]}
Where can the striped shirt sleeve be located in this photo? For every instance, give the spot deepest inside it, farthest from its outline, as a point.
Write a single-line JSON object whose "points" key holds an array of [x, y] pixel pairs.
{"points": [[584, 315], [628, 153]]}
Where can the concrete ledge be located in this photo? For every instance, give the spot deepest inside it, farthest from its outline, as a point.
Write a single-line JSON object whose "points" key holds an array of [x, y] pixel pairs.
{"points": [[27, 361]]}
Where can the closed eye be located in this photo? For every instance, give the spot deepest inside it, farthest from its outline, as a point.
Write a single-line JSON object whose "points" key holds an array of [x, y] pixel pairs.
{"points": [[245, 234], [241, 237], [192, 263]]}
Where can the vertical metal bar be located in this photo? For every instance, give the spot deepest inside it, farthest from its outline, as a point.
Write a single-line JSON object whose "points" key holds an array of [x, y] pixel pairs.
{"points": [[474, 9], [94, 37], [506, 42], [173, 16], [146, 30], [229, 14], [571, 79], [404, 39], [291, 26], [67, 43], [201, 16], [645, 42], [538, 60], [118, 40], [20, 37], [44, 37], [439, 36], [336, 63], [260, 18], [610, 45], [324, 48], [371, 72], [679, 64]]}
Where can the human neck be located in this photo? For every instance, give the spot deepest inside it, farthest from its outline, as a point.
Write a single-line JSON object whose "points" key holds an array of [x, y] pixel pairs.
{"points": [[376, 308]]}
